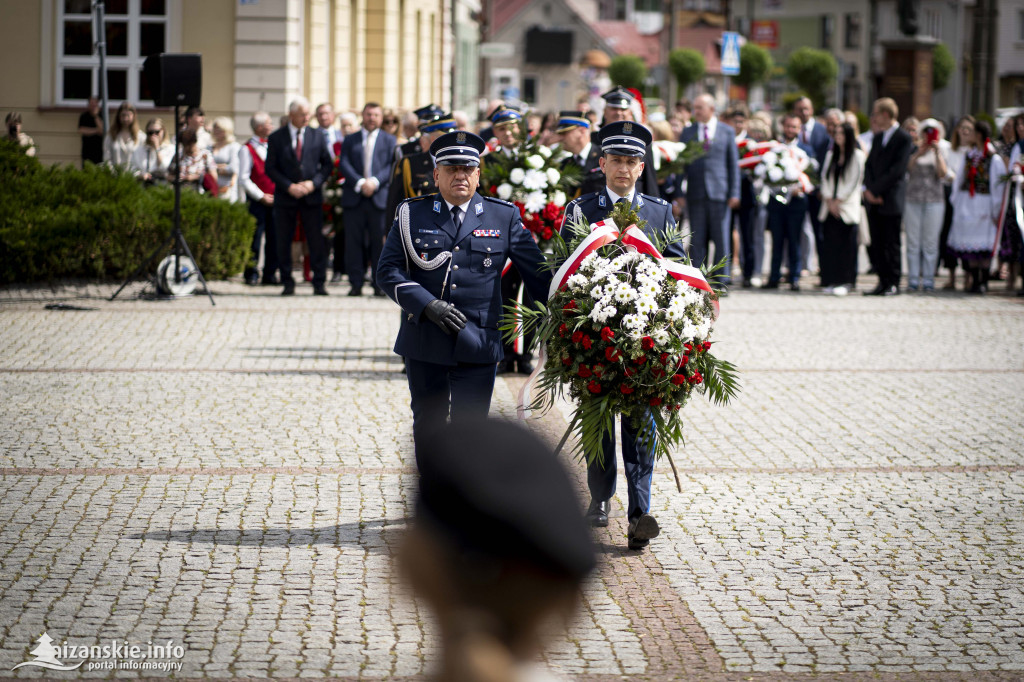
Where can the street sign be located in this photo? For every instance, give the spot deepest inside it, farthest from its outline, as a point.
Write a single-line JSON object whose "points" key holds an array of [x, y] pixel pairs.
{"points": [[497, 49], [765, 33], [730, 54]]}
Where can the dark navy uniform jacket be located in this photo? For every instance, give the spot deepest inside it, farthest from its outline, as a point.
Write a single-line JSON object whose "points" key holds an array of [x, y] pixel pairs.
{"points": [[491, 232], [597, 205]]}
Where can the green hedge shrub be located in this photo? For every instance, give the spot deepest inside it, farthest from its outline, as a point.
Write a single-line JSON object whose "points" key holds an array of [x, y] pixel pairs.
{"points": [[64, 222]]}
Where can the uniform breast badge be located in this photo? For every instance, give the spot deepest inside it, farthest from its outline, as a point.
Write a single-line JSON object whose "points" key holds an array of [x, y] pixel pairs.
{"points": [[488, 262]]}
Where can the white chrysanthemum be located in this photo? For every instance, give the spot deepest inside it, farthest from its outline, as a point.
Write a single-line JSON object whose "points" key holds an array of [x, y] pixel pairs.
{"points": [[534, 179], [588, 262], [760, 170], [504, 191], [661, 336], [553, 176], [624, 294], [578, 282], [775, 174], [603, 313], [689, 330], [544, 151], [770, 158], [596, 293], [791, 173], [535, 202], [558, 198], [535, 161], [644, 305], [673, 314], [516, 176], [704, 328], [634, 322]]}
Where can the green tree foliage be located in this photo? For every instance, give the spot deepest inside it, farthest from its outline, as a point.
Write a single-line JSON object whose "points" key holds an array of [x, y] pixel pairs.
{"points": [[943, 66], [814, 72], [628, 70], [755, 65], [61, 221], [686, 65]]}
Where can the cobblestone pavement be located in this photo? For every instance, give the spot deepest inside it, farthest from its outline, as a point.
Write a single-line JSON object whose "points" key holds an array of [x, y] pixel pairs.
{"points": [[235, 479]]}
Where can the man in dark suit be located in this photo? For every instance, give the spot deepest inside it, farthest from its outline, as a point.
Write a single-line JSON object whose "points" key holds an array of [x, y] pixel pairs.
{"points": [[885, 188], [298, 163], [712, 185], [813, 135], [366, 158], [623, 145], [442, 264], [414, 173], [574, 129], [786, 220]]}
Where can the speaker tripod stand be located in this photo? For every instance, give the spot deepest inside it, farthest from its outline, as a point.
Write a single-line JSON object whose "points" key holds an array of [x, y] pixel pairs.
{"points": [[176, 283]]}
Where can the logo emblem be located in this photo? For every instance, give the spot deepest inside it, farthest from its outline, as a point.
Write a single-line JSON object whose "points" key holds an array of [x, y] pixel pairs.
{"points": [[46, 656], [627, 127], [460, 137]]}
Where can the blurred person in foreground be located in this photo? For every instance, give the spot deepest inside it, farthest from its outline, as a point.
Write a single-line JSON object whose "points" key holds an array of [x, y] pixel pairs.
{"points": [[498, 550]]}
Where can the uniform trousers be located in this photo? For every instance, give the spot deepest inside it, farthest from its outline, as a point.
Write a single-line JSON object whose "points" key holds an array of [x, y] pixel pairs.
{"points": [[461, 392], [637, 463], [285, 221], [265, 234], [364, 239]]}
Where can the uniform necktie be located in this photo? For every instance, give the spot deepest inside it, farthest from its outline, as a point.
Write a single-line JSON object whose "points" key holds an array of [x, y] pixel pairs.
{"points": [[457, 217], [298, 145], [622, 200]]}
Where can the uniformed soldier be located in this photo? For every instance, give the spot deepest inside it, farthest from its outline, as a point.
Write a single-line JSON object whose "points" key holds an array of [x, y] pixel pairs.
{"points": [[623, 145], [621, 105], [414, 174], [415, 145], [574, 129], [442, 265]]}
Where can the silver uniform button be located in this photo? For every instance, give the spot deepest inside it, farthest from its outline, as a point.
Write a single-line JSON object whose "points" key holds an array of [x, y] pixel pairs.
{"points": [[488, 248], [455, 286], [455, 267], [417, 240], [456, 248]]}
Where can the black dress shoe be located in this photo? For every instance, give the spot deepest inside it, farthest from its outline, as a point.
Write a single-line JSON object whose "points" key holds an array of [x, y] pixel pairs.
{"points": [[770, 285], [252, 276], [319, 290], [270, 281], [379, 293], [597, 513], [794, 286], [877, 291], [641, 530], [747, 283], [355, 291], [289, 289]]}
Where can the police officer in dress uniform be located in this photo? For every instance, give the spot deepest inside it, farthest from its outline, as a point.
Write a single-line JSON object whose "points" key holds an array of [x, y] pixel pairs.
{"points": [[621, 105], [623, 145], [574, 129], [416, 144], [414, 174], [442, 265]]}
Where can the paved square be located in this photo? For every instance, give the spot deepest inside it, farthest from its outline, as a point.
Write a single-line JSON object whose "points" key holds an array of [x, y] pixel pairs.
{"points": [[235, 479]]}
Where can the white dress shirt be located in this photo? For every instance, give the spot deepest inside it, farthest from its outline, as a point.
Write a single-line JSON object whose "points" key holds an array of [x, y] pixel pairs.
{"points": [[245, 167], [369, 140]]}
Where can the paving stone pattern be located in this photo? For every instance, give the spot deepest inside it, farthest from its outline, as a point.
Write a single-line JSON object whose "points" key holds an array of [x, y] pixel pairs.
{"points": [[236, 479]]}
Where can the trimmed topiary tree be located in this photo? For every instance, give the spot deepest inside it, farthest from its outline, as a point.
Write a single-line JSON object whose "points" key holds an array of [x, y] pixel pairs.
{"points": [[687, 66], [943, 66], [756, 65], [628, 70], [814, 72]]}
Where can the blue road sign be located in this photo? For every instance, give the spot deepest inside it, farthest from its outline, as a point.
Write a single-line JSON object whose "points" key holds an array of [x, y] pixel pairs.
{"points": [[730, 54]]}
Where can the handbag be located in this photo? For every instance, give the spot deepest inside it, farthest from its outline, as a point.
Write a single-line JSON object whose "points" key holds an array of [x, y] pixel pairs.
{"points": [[210, 183]]}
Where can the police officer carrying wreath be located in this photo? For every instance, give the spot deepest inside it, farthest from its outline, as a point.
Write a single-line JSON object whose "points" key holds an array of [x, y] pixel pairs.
{"points": [[442, 265], [623, 145]]}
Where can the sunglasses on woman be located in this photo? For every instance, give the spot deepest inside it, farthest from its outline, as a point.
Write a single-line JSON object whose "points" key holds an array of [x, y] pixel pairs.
{"points": [[153, 132]]}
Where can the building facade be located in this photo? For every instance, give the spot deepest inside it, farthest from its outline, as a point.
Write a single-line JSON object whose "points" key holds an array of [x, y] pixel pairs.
{"points": [[256, 54]]}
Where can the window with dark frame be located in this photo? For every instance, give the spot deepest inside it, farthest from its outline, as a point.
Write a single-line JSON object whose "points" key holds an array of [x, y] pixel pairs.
{"points": [[851, 31]]}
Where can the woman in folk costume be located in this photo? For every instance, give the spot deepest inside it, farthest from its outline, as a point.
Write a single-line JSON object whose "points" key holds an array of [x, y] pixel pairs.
{"points": [[976, 199]]}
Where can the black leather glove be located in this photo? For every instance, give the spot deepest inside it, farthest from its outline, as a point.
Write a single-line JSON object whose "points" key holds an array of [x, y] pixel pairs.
{"points": [[445, 315]]}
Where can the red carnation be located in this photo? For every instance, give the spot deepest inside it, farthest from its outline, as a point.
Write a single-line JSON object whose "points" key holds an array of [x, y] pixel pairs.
{"points": [[566, 360], [571, 305], [626, 390], [640, 360], [678, 379], [576, 336], [696, 378], [683, 360], [663, 359], [522, 209], [654, 402], [594, 387], [707, 345], [658, 372], [494, 190], [647, 343], [584, 371], [587, 342], [688, 346], [611, 353], [629, 372], [550, 212], [607, 334], [547, 233], [562, 329]]}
